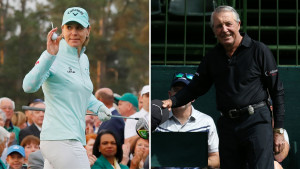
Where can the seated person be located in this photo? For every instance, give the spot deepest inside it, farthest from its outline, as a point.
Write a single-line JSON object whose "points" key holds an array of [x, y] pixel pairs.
{"points": [[141, 151], [31, 144], [188, 119], [15, 157], [108, 151]]}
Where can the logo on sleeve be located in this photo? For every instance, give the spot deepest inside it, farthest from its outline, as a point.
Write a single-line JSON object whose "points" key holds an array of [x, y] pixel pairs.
{"points": [[70, 70], [271, 72], [37, 62]]}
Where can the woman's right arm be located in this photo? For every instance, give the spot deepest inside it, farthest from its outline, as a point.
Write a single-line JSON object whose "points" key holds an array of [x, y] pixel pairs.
{"points": [[41, 71]]}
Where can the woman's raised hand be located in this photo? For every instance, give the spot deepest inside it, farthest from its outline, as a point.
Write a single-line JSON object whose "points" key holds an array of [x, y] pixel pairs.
{"points": [[53, 45]]}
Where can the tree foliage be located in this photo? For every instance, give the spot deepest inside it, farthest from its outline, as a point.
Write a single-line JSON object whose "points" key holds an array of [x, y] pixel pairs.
{"points": [[118, 47]]}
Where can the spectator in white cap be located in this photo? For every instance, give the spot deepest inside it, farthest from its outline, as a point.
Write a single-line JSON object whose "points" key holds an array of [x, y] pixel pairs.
{"points": [[15, 157], [63, 72], [130, 132]]}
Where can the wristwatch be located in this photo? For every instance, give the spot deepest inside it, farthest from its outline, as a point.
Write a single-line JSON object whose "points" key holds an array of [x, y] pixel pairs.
{"points": [[278, 130]]}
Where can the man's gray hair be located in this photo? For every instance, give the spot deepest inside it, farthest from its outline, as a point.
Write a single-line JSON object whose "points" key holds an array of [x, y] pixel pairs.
{"points": [[2, 113], [224, 9], [6, 98]]}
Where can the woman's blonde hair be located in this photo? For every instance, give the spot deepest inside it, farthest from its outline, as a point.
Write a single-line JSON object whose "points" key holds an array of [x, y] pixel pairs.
{"points": [[18, 118]]}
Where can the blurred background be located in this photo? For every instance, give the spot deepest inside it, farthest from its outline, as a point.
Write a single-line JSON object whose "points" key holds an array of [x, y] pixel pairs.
{"points": [[118, 49]]}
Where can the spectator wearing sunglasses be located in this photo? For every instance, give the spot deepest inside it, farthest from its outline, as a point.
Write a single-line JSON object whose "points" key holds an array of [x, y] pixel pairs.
{"points": [[245, 74], [187, 119]]}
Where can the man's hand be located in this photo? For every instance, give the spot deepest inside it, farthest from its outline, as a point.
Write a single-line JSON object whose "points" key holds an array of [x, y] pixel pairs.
{"points": [[278, 143], [167, 104]]}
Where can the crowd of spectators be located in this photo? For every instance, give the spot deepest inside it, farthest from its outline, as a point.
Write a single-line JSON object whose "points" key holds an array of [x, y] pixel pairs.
{"points": [[106, 144]]}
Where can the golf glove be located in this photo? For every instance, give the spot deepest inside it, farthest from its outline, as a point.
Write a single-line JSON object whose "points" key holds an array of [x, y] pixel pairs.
{"points": [[104, 113]]}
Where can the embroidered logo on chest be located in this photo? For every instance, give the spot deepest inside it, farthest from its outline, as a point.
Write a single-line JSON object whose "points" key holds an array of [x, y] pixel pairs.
{"points": [[70, 70]]}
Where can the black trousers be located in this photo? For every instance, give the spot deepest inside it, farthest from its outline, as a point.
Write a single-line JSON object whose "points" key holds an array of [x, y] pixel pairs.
{"points": [[247, 141]]}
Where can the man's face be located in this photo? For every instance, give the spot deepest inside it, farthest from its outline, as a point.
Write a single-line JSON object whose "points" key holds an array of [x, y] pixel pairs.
{"points": [[7, 107], [145, 99], [123, 107], [38, 116], [225, 28], [176, 88]]}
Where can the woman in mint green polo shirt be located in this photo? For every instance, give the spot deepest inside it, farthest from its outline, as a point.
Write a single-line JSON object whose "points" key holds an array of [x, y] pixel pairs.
{"points": [[63, 72]]}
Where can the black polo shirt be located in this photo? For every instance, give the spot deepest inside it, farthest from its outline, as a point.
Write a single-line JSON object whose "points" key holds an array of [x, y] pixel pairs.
{"points": [[243, 80]]}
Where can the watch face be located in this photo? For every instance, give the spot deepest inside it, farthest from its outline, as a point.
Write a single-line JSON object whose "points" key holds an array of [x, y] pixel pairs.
{"points": [[281, 130]]}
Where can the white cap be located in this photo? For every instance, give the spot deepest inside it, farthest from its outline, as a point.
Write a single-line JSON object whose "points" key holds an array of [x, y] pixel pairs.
{"points": [[146, 89]]}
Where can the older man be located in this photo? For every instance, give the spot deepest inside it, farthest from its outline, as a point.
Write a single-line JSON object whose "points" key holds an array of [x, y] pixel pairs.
{"points": [[37, 119], [244, 73], [116, 125], [8, 106]]}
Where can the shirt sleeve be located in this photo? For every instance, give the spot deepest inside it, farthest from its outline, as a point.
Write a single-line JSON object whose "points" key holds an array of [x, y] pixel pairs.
{"points": [[39, 73], [129, 129], [213, 138], [286, 137], [94, 104], [200, 84], [273, 84]]}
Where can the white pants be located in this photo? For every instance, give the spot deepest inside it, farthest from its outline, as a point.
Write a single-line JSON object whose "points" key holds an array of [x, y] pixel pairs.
{"points": [[64, 154]]}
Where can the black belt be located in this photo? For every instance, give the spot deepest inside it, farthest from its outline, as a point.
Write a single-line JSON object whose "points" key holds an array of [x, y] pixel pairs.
{"points": [[235, 113]]}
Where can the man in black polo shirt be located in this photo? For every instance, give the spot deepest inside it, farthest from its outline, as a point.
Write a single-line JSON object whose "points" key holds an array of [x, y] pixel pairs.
{"points": [[244, 73]]}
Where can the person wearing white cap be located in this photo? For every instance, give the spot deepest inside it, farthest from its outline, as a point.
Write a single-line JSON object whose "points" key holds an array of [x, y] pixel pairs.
{"points": [[63, 72], [130, 131]]}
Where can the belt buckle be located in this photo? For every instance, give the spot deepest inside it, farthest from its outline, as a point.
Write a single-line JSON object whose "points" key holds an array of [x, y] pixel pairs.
{"points": [[231, 115], [250, 109]]}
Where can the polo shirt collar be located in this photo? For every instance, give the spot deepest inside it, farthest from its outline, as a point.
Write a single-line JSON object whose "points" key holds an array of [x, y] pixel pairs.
{"points": [[191, 118], [246, 40]]}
